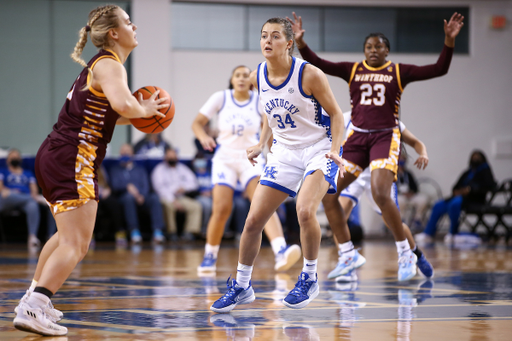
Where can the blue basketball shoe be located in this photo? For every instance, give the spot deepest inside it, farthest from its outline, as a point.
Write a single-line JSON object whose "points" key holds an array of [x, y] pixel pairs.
{"points": [[406, 265], [235, 295], [425, 267], [347, 264], [208, 264], [306, 289]]}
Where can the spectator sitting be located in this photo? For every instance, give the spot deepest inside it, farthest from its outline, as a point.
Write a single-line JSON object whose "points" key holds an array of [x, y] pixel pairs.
{"points": [[111, 206], [151, 146], [413, 204], [130, 183], [18, 190], [172, 181], [471, 189], [204, 178]]}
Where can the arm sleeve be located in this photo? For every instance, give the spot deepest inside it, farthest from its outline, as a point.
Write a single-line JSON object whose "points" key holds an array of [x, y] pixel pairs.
{"points": [[189, 179], [160, 185], [213, 104], [340, 69], [143, 181], [410, 73], [484, 182], [460, 181], [117, 180]]}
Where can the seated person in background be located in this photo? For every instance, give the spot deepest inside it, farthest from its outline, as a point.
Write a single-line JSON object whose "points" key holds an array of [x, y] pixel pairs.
{"points": [[130, 183], [471, 189], [173, 181], [18, 190], [112, 207], [413, 204], [204, 178], [151, 146]]}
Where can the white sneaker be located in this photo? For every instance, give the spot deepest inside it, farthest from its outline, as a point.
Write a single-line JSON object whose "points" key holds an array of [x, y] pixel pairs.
{"points": [[33, 241], [37, 320], [54, 314], [423, 239], [287, 257], [448, 239]]}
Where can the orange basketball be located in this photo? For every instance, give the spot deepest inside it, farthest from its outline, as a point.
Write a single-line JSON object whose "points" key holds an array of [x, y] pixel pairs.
{"points": [[155, 124]]}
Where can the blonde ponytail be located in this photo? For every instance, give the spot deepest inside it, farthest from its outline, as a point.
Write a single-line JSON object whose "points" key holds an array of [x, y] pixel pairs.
{"points": [[98, 29]]}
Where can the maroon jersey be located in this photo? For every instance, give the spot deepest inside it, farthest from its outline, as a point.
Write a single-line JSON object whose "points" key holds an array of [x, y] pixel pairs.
{"points": [[87, 117], [67, 161], [375, 92]]}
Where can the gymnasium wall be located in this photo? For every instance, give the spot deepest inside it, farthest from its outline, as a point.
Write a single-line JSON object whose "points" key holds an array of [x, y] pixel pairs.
{"points": [[466, 109]]}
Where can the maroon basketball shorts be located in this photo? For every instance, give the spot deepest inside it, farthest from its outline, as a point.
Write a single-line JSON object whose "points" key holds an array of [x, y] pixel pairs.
{"points": [[377, 149], [66, 174]]}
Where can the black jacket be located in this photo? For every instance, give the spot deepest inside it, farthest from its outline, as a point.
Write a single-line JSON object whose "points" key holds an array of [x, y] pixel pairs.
{"points": [[480, 180]]}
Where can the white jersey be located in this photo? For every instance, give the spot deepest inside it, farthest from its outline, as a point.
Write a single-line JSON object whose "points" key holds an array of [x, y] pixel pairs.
{"points": [[238, 123], [296, 119]]}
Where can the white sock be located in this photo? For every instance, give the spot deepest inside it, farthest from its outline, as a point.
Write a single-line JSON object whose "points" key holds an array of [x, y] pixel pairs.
{"points": [[213, 249], [309, 267], [243, 275], [402, 246], [278, 244], [346, 249], [37, 300], [33, 285]]}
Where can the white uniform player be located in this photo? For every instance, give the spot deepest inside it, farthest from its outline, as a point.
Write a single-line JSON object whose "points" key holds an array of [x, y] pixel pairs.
{"points": [[239, 126], [363, 182], [301, 131]]}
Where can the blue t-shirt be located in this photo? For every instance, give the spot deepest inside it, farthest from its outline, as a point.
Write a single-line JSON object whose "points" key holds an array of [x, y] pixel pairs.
{"points": [[17, 182]]}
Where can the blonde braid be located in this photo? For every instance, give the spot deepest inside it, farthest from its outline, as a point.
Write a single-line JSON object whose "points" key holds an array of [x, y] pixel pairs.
{"points": [[79, 47]]}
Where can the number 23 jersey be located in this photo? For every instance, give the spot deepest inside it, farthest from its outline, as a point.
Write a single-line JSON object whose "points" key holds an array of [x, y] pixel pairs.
{"points": [[296, 119]]}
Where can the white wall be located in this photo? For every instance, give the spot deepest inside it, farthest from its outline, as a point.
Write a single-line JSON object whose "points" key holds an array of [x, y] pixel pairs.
{"points": [[463, 110]]}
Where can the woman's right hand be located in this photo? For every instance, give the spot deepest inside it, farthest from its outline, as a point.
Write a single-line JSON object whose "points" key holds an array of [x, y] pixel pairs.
{"points": [[152, 105], [253, 152], [298, 31], [208, 143]]}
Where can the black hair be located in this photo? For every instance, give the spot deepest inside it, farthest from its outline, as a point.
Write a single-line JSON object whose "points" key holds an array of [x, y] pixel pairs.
{"points": [[287, 28], [379, 35]]}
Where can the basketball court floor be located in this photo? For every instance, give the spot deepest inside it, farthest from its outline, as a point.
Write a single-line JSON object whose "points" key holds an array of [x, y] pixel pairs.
{"points": [[154, 293]]}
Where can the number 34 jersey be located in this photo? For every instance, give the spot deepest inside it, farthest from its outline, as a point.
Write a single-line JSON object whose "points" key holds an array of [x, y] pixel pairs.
{"points": [[296, 119]]}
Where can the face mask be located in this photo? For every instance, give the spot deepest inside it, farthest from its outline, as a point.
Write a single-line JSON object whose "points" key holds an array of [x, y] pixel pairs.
{"points": [[124, 159], [200, 163], [172, 163], [15, 163], [475, 163]]}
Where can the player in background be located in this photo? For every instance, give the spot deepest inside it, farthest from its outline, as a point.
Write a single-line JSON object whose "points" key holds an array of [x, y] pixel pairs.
{"points": [[68, 160], [239, 124], [307, 125], [376, 86], [350, 196]]}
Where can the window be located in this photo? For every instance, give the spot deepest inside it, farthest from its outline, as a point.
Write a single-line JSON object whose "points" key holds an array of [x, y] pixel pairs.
{"points": [[333, 29]]}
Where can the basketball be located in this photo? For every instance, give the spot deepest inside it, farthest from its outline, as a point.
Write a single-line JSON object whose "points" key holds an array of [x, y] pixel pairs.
{"points": [[155, 124]]}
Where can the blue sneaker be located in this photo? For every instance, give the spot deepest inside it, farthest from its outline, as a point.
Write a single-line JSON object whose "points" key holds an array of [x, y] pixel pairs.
{"points": [[158, 237], [209, 263], [406, 265], [346, 264], [286, 257], [235, 295], [135, 236], [304, 292], [425, 267]]}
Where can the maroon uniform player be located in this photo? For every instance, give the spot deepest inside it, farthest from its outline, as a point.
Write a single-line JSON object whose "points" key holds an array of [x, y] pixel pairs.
{"points": [[375, 87], [68, 160]]}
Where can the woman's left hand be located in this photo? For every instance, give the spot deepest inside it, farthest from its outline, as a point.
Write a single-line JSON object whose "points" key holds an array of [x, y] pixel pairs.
{"points": [[421, 162], [453, 27], [337, 160]]}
